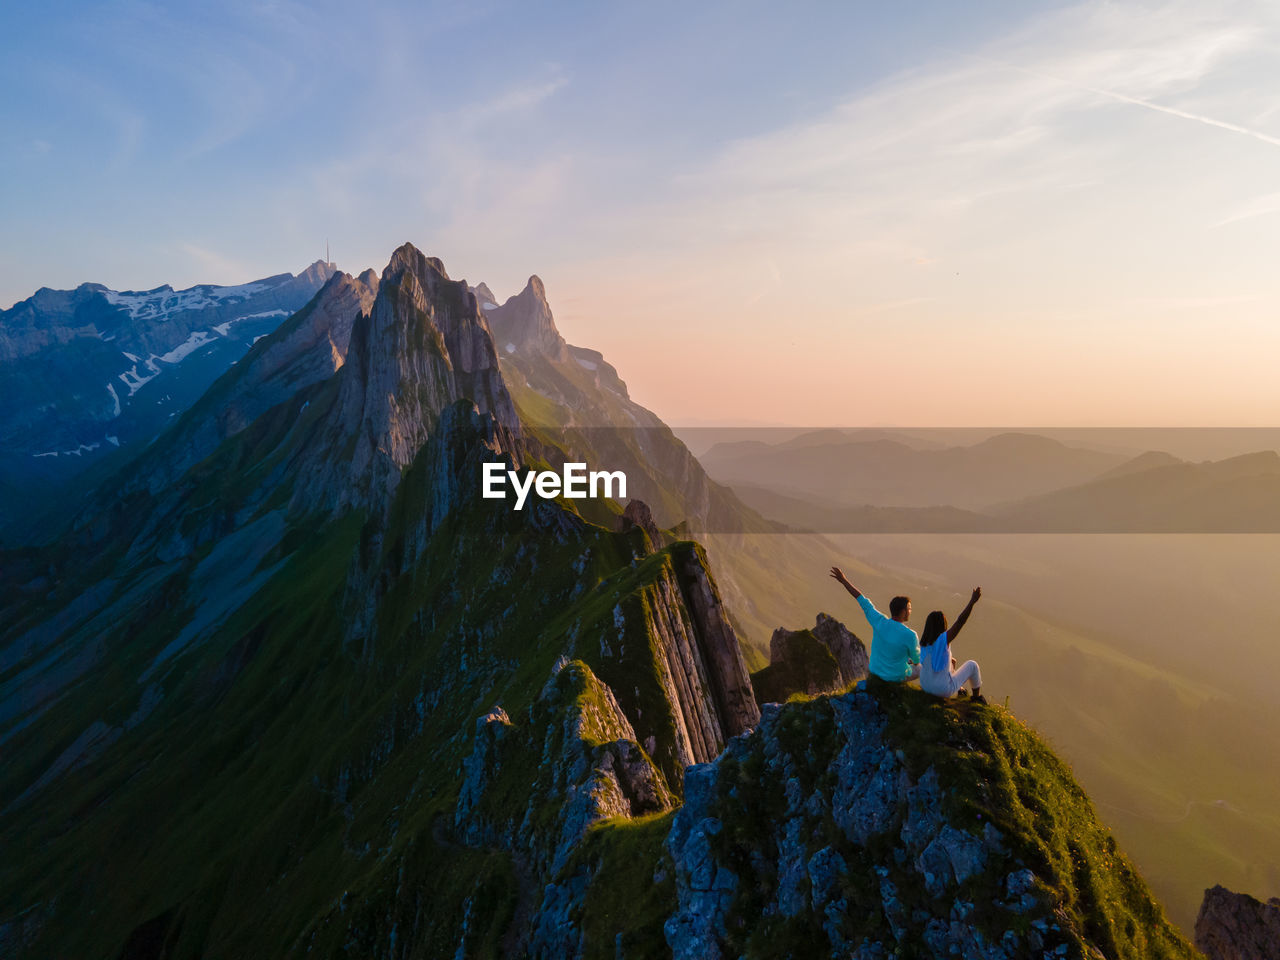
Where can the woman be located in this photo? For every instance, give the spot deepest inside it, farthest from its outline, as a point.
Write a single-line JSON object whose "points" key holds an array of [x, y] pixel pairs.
{"points": [[938, 673]]}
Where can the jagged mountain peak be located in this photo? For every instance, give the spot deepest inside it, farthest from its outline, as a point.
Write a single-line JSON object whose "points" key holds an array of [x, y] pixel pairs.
{"points": [[421, 346], [486, 296], [535, 288], [525, 322], [410, 258]]}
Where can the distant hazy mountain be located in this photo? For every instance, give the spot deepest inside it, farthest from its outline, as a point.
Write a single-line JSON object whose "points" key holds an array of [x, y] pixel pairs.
{"points": [[1144, 461], [88, 371], [733, 440], [888, 473], [1239, 495], [1153, 493], [817, 516]]}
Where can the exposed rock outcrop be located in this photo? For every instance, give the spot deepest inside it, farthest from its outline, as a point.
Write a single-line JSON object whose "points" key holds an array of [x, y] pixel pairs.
{"points": [[535, 789], [1236, 926], [849, 651], [730, 683], [638, 514], [575, 394], [824, 659], [825, 833]]}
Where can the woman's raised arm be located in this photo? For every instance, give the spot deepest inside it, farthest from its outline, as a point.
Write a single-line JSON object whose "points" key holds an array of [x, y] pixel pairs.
{"points": [[964, 616]]}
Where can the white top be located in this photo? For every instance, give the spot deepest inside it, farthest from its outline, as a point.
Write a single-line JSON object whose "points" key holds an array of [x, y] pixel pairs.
{"points": [[935, 667]]}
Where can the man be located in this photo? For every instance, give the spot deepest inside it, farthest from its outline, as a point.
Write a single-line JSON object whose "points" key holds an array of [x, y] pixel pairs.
{"points": [[895, 648]]}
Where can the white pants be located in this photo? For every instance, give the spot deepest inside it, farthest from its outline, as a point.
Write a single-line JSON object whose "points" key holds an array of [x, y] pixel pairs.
{"points": [[968, 673], [941, 685]]}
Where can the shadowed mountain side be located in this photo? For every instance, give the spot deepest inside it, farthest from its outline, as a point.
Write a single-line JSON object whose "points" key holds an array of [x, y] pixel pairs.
{"points": [[304, 350], [90, 376]]}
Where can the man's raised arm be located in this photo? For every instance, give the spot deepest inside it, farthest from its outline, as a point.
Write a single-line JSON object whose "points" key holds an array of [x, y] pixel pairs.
{"points": [[873, 615], [838, 576]]}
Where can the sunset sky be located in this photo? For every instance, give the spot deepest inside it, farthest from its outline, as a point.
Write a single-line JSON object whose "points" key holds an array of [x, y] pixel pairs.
{"points": [[856, 214]]}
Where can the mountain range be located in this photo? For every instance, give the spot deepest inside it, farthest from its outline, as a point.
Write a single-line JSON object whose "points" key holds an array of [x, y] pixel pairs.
{"points": [[87, 372], [287, 684], [830, 482]]}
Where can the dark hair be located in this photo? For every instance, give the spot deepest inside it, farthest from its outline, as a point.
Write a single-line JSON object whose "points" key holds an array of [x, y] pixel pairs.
{"points": [[935, 625], [897, 605]]}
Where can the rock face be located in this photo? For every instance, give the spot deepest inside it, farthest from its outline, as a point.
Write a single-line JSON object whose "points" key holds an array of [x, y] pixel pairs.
{"points": [[421, 346], [824, 659], [730, 684], [824, 834], [1235, 926], [525, 322], [850, 653], [575, 763]]}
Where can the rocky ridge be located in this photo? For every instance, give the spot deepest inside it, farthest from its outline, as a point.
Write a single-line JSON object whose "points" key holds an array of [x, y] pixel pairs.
{"points": [[1236, 926]]}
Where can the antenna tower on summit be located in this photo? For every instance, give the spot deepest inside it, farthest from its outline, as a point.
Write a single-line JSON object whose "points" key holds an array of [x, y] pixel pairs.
{"points": [[327, 262]]}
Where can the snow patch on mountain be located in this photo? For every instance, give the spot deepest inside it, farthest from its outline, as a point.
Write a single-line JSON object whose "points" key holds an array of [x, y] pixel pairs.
{"points": [[136, 381], [186, 348], [222, 328], [160, 303], [78, 451]]}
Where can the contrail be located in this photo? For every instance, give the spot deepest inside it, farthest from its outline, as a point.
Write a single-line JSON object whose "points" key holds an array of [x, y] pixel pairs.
{"points": [[1137, 102]]}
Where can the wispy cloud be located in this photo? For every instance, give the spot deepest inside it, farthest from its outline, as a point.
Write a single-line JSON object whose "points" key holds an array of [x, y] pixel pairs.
{"points": [[1259, 206], [1147, 104]]}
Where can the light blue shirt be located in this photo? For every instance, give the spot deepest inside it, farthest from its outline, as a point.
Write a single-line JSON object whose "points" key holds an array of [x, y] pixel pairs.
{"points": [[894, 645]]}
